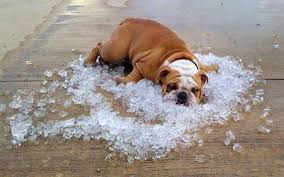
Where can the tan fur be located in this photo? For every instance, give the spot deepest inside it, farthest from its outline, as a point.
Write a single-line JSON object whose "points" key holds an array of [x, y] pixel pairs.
{"points": [[172, 77], [147, 44], [201, 78]]}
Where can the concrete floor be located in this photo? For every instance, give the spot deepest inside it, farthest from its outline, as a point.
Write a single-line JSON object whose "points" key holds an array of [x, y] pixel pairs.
{"points": [[247, 29]]}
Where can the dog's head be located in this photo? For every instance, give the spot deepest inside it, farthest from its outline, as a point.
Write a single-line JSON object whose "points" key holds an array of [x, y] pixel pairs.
{"points": [[182, 82]]}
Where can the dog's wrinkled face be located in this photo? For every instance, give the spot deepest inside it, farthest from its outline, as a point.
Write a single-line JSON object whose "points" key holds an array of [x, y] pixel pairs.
{"points": [[181, 86]]}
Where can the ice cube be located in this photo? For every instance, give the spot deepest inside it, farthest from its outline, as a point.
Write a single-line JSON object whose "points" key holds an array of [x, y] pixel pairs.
{"points": [[42, 103], [269, 122], [247, 108], [52, 88], [208, 130], [86, 138], [257, 99], [237, 147], [62, 73], [237, 117], [44, 82], [262, 129], [43, 90], [25, 109], [29, 99], [260, 92], [67, 103], [229, 137], [267, 109], [15, 103], [2, 107], [264, 115], [32, 138], [28, 62], [51, 100], [201, 158], [200, 142], [40, 112], [63, 113], [19, 125], [48, 73], [276, 46], [52, 110]]}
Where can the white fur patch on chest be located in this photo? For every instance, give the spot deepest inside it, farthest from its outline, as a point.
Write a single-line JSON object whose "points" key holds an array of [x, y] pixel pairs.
{"points": [[185, 67]]}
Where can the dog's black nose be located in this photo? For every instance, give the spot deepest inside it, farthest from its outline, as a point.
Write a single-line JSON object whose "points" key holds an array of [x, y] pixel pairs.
{"points": [[182, 97]]}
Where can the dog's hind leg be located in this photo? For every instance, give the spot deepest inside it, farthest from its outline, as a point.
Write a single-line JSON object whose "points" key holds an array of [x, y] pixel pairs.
{"points": [[209, 68], [134, 76], [92, 58]]}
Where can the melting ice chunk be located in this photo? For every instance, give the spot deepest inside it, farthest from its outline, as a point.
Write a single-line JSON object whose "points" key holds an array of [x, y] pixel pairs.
{"points": [[265, 113], [68, 103], [52, 110], [208, 130], [200, 142], [28, 62], [15, 103], [2, 107], [201, 158], [19, 125], [260, 92], [247, 108], [63, 113], [42, 103], [40, 112], [48, 73], [269, 122], [44, 82], [262, 129], [237, 147], [42, 90], [237, 117], [229, 137], [276, 46], [62, 73]]}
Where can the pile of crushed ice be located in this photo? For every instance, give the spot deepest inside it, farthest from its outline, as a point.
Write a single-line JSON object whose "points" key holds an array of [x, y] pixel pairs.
{"points": [[160, 125]]}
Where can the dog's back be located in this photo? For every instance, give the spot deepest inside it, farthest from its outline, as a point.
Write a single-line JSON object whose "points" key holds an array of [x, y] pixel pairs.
{"points": [[150, 35], [146, 43]]}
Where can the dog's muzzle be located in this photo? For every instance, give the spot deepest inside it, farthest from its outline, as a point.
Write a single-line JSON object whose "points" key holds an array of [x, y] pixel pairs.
{"points": [[183, 98]]}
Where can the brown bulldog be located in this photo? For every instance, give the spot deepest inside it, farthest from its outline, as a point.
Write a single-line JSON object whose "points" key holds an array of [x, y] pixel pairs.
{"points": [[158, 54]]}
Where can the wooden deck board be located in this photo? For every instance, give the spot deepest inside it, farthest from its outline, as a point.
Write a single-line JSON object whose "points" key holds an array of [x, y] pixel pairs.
{"points": [[80, 28]]}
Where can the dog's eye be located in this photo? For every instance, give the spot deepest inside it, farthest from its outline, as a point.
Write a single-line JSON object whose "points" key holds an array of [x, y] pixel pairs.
{"points": [[195, 90], [171, 87]]}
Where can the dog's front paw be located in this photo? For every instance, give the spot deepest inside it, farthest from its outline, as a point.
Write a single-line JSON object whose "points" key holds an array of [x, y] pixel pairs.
{"points": [[88, 62], [204, 99], [119, 79]]}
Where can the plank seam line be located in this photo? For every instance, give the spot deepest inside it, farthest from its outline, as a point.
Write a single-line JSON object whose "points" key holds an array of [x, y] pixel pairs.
{"points": [[274, 79]]}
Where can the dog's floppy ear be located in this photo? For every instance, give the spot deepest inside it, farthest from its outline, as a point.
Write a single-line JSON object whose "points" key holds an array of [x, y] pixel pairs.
{"points": [[162, 74], [202, 75]]}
